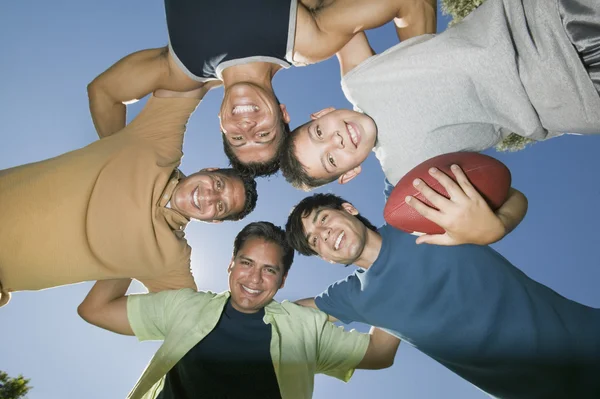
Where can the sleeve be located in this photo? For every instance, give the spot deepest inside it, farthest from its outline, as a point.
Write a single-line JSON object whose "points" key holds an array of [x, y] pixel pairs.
{"points": [[387, 189], [339, 298], [174, 279], [340, 351], [152, 315], [163, 122]]}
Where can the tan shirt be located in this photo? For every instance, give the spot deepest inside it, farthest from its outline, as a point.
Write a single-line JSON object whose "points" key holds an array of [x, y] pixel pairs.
{"points": [[99, 212]]}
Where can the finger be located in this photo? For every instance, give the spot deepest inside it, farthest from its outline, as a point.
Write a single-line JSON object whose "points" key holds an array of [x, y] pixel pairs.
{"points": [[424, 210], [438, 200], [437, 239], [464, 182], [453, 189]]}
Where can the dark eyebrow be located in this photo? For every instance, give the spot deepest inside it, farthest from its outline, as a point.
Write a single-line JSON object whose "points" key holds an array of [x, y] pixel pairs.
{"points": [[276, 267], [313, 222], [238, 145], [225, 203], [247, 258]]}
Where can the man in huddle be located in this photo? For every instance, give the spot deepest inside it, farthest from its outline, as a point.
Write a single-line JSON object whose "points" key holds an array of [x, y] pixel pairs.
{"points": [[244, 44], [116, 208], [465, 306], [240, 343]]}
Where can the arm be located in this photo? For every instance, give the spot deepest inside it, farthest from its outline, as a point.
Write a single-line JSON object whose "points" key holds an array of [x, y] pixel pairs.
{"points": [[354, 52], [105, 306], [466, 217], [132, 78], [381, 351], [416, 18], [310, 303]]}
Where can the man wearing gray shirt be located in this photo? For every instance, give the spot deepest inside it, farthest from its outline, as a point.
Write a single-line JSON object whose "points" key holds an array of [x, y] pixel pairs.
{"points": [[529, 67]]}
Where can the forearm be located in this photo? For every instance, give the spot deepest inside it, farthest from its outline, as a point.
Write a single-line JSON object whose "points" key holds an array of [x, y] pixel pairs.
{"points": [[105, 306], [354, 52], [512, 212], [108, 116], [381, 351]]}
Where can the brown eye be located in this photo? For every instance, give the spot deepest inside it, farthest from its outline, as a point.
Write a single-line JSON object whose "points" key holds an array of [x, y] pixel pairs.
{"points": [[319, 133]]}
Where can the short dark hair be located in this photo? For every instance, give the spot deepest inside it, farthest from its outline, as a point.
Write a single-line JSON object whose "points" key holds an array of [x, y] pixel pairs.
{"points": [[295, 233], [249, 192], [256, 169], [293, 171], [268, 232]]}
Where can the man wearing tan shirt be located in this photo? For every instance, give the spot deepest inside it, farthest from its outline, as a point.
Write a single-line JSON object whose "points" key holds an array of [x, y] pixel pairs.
{"points": [[115, 208]]}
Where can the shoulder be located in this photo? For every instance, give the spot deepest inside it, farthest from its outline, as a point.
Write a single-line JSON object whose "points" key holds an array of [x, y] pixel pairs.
{"points": [[302, 314]]}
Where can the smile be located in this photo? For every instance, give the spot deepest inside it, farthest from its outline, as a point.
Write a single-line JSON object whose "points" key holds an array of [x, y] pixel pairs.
{"points": [[336, 246], [353, 133], [195, 198], [251, 291], [244, 109]]}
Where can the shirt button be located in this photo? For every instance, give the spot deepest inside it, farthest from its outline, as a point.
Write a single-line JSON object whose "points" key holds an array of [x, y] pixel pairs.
{"points": [[165, 196], [180, 227], [174, 182]]}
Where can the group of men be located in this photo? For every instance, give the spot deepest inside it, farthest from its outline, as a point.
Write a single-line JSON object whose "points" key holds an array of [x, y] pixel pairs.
{"points": [[117, 208]]}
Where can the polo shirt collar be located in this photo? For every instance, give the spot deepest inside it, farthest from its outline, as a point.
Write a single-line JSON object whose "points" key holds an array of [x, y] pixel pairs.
{"points": [[175, 220]]}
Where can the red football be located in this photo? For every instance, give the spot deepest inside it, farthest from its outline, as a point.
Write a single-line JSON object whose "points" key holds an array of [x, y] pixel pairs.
{"points": [[488, 175]]}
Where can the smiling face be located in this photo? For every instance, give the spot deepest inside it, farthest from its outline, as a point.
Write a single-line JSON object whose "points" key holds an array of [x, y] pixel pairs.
{"points": [[335, 235], [335, 143], [251, 121], [256, 273], [209, 196]]}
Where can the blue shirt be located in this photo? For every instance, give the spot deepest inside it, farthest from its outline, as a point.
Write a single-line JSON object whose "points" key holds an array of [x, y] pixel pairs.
{"points": [[474, 312]]}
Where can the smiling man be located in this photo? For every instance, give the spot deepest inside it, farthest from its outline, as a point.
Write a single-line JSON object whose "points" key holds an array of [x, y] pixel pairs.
{"points": [[244, 44], [528, 67], [115, 208], [465, 306], [240, 343]]}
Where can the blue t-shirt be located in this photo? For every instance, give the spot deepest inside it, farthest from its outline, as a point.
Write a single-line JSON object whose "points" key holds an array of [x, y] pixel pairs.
{"points": [[232, 361], [474, 312]]}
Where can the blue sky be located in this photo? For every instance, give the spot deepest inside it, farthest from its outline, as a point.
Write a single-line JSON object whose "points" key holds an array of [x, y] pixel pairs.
{"points": [[52, 50]]}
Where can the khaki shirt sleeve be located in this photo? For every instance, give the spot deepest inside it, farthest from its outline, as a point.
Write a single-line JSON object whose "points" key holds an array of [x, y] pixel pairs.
{"points": [[340, 351], [163, 122], [152, 315], [173, 280]]}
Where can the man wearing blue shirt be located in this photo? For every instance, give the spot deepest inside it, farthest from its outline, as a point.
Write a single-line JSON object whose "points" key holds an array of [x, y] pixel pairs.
{"points": [[465, 306]]}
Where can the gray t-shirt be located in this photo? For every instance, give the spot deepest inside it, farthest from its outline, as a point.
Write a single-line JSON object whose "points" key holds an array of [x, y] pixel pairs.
{"points": [[508, 67]]}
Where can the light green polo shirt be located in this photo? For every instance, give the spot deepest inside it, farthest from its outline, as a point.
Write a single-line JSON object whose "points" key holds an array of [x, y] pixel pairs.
{"points": [[303, 342]]}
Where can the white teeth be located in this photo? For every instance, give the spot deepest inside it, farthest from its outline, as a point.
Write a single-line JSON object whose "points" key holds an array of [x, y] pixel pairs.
{"points": [[195, 196], [338, 241], [250, 290], [352, 132], [241, 109]]}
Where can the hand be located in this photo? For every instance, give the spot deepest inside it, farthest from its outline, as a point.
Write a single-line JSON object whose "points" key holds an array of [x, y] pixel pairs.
{"points": [[466, 216]]}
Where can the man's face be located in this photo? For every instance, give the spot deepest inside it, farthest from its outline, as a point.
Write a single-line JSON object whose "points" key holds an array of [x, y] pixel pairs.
{"points": [[255, 275], [251, 122], [335, 235], [335, 143], [209, 196]]}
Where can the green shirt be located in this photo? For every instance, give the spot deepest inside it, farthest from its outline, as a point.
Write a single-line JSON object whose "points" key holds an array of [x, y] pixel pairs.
{"points": [[303, 342]]}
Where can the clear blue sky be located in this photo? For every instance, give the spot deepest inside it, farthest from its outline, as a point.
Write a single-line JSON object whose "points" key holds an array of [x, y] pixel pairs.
{"points": [[51, 50]]}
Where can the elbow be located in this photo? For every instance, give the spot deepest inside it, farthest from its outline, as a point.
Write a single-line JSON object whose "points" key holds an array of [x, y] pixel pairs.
{"points": [[85, 312], [93, 89], [386, 363]]}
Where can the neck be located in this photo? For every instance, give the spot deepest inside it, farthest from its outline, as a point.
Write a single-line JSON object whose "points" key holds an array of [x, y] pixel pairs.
{"points": [[370, 251], [258, 73]]}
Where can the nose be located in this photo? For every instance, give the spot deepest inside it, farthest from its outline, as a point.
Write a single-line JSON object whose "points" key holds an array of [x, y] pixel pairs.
{"points": [[246, 124], [255, 275], [337, 140], [325, 233], [209, 196]]}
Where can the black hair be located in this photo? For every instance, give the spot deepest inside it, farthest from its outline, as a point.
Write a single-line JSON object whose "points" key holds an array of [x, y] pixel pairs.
{"points": [[269, 232], [251, 196], [295, 233]]}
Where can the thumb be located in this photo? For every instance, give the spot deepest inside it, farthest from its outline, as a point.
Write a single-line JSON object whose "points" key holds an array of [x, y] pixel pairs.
{"points": [[436, 239]]}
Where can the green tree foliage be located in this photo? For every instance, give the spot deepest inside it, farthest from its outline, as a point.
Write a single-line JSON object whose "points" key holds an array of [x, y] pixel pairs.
{"points": [[458, 9], [13, 388]]}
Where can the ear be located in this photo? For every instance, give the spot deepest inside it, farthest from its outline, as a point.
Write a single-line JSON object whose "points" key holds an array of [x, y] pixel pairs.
{"points": [[283, 281], [321, 113], [208, 169], [348, 207], [349, 175], [230, 265], [284, 114]]}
